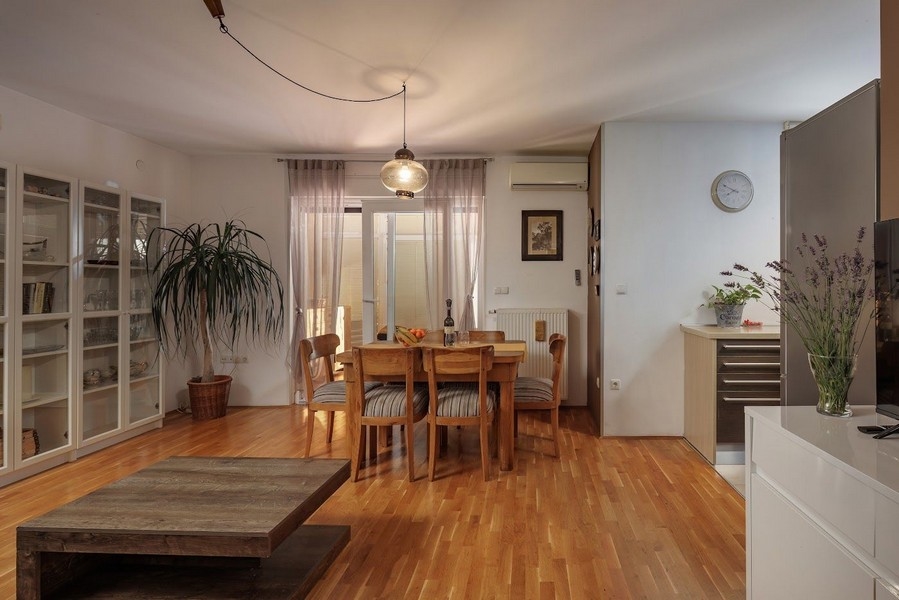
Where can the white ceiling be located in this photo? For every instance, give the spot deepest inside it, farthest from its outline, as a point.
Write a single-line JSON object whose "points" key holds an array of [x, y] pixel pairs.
{"points": [[483, 77]]}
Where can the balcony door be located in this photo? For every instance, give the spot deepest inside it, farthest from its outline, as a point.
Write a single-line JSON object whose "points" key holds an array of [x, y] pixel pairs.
{"points": [[393, 273]]}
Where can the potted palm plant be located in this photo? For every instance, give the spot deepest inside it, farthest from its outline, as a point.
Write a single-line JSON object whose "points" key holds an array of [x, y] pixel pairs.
{"points": [[211, 288]]}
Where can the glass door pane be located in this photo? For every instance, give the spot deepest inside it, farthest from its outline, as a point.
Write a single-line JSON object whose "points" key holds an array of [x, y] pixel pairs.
{"points": [[395, 276], [351, 275], [101, 247], [5, 421], [43, 384], [143, 374]]}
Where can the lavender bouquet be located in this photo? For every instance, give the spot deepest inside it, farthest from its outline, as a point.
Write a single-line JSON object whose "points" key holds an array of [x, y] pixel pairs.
{"points": [[823, 300]]}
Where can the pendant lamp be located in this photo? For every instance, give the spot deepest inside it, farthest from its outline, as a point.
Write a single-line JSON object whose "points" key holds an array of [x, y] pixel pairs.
{"points": [[403, 174]]}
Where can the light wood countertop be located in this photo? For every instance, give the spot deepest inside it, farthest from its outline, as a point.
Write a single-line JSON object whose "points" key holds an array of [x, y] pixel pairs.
{"points": [[713, 332]]}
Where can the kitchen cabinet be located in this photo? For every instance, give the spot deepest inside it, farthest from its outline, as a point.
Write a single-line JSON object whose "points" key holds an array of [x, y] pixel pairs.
{"points": [[822, 506], [725, 370]]}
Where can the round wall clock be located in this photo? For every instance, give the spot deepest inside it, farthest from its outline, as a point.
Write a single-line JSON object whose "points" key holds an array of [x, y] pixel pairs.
{"points": [[732, 191]]}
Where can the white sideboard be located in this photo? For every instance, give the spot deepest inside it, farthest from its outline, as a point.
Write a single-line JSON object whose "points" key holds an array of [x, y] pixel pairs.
{"points": [[822, 506]]}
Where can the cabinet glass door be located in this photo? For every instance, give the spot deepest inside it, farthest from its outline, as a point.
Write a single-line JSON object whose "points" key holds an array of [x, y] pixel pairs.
{"points": [[100, 246], [144, 376], [5, 422], [43, 373]]}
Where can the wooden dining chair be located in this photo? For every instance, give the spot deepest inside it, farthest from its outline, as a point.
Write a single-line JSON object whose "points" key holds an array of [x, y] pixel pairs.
{"points": [[321, 391], [433, 337], [481, 335], [392, 403], [456, 402], [539, 393]]}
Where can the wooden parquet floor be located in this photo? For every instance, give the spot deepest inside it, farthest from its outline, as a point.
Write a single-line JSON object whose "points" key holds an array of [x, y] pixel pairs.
{"points": [[612, 518]]}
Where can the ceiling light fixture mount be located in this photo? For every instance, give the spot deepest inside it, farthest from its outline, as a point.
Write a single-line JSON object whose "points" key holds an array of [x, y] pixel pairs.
{"points": [[403, 174]]}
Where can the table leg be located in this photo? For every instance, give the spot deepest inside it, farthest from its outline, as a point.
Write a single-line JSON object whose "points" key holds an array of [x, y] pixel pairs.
{"points": [[28, 575], [352, 424], [506, 440]]}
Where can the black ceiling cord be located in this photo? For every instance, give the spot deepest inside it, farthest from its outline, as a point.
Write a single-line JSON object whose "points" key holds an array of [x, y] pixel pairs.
{"points": [[215, 8]]}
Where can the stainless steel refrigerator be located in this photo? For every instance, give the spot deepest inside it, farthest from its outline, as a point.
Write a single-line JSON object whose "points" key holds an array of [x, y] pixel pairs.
{"points": [[829, 186]]}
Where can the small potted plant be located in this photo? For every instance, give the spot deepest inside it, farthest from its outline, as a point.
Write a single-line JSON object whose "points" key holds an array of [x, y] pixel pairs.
{"points": [[728, 302], [211, 287]]}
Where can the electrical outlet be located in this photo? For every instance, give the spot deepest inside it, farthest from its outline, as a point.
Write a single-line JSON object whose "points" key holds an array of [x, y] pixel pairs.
{"points": [[614, 384], [235, 359]]}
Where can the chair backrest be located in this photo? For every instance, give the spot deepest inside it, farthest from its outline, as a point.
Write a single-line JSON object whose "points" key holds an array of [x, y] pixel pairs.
{"points": [[318, 348], [435, 336], [557, 345], [480, 335], [390, 362], [458, 361]]}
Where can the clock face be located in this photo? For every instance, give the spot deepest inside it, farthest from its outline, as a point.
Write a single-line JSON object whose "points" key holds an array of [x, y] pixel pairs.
{"points": [[732, 191]]}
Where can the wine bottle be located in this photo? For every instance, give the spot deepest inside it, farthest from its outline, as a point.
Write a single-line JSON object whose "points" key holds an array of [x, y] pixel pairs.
{"points": [[449, 326]]}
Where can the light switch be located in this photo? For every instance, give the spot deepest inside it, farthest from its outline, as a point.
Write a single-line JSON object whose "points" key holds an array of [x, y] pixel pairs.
{"points": [[501, 290], [621, 288]]}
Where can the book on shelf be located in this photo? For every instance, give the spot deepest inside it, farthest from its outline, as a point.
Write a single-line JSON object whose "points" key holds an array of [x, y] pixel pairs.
{"points": [[37, 297]]}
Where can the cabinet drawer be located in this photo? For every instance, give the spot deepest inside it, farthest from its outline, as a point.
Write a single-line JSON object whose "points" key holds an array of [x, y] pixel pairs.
{"points": [[886, 535], [749, 363], [731, 425], [830, 493], [791, 557], [748, 381], [739, 347]]}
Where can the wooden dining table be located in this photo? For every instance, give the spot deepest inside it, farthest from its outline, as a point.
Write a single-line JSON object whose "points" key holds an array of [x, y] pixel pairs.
{"points": [[506, 358]]}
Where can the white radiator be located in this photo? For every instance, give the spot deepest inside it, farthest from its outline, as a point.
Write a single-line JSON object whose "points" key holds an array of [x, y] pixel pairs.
{"points": [[524, 324]]}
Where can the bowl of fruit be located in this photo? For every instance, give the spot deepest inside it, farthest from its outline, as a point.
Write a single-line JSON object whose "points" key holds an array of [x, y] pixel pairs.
{"points": [[409, 336]]}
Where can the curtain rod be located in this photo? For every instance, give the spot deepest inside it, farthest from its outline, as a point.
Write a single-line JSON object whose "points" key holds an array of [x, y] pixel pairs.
{"points": [[350, 158]]}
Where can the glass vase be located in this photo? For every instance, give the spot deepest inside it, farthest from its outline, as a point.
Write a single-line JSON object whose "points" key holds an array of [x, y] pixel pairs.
{"points": [[833, 376]]}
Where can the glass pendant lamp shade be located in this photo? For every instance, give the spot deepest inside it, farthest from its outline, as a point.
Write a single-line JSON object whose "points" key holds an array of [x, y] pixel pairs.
{"points": [[403, 175]]}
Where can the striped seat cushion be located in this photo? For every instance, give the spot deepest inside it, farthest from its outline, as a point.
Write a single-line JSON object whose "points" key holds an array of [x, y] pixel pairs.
{"points": [[335, 392], [533, 389], [389, 400], [461, 400]]}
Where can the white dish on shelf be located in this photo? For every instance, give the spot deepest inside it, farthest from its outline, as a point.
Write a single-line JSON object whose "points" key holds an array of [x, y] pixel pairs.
{"points": [[46, 348]]}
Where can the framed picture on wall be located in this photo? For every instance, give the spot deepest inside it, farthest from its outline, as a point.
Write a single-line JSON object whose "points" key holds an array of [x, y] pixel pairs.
{"points": [[541, 235]]}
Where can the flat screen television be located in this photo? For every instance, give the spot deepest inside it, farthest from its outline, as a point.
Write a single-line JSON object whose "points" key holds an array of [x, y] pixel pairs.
{"points": [[886, 319]]}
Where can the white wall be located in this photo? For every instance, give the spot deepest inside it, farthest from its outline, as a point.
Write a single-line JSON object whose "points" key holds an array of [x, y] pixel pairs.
{"points": [[42, 136], [538, 284], [665, 240], [253, 189]]}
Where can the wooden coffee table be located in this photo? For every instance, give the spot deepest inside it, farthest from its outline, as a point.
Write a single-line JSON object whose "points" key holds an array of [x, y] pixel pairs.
{"points": [[188, 527]]}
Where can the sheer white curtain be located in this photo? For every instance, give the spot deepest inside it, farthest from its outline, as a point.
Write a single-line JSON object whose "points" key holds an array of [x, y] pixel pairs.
{"points": [[316, 190], [454, 209]]}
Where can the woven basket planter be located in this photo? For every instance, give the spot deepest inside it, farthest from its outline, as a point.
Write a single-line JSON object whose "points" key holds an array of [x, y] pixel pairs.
{"points": [[209, 400]]}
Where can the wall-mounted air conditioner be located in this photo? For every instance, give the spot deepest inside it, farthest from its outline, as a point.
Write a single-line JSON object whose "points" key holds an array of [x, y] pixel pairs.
{"points": [[548, 176]]}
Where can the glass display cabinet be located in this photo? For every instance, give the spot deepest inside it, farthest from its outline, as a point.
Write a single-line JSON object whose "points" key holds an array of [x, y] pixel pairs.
{"points": [[144, 360], [100, 287], [120, 378], [41, 348], [80, 367], [7, 177]]}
